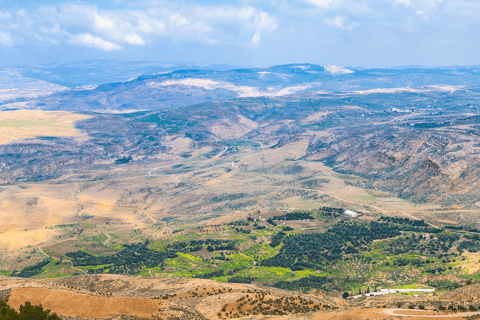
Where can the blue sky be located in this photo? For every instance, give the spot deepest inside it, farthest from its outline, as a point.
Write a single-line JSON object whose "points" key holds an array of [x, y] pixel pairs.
{"points": [[357, 33]]}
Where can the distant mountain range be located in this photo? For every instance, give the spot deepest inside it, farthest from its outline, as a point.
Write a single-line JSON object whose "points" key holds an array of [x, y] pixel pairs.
{"points": [[116, 86]]}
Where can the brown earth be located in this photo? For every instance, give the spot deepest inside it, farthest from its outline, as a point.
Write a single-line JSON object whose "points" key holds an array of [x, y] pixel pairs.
{"points": [[86, 306], [109, 296]]}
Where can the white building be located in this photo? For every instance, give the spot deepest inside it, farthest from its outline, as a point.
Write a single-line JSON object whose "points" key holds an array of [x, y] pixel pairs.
{"points": [[350, 214], [388, 291]]}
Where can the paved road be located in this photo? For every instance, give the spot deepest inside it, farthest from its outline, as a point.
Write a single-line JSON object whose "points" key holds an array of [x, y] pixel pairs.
{"points": [[398, 312]]}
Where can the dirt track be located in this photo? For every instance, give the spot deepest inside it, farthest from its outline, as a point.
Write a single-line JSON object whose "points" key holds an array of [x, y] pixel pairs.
{"points": [[404, 313]]}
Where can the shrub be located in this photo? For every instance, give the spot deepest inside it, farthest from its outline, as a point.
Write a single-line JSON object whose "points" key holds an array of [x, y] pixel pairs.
{"points": [[27, 312]]}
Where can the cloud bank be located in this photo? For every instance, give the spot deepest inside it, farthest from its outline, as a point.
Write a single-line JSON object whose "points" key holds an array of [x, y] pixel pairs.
{"points": [[337, 32], [84, 24]]}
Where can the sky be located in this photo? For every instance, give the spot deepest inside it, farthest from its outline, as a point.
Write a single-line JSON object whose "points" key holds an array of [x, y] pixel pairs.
{"points": [[355, 33]]}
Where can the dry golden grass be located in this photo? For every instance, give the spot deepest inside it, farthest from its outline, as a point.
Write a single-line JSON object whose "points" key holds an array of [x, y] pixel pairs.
{"points": [[27, 124], [138, 197], [73, 304]]}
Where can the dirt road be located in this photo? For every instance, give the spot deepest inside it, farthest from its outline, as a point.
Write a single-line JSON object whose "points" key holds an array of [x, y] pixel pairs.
{"points": [[401, 313]]}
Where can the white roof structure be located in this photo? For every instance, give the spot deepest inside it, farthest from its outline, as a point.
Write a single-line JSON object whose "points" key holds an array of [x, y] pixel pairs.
{"points": [[388, 291], [350, 213]]}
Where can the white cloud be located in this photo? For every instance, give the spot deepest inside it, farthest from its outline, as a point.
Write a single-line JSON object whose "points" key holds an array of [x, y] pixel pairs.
{"points": [[104, 23], [256, 38], [339, 23], [264, 24], [178, 21], [405, 2], [91, 41], [134, 39], [321, 3], [5, 15], [6, 39], [150, 21]]}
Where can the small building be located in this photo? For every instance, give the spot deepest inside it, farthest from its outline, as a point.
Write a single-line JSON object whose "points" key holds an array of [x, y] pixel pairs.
{"points": [[350, 214]]}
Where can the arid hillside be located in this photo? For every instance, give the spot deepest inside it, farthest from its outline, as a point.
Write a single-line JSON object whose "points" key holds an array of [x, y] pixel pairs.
{"points": [[123, 297]]}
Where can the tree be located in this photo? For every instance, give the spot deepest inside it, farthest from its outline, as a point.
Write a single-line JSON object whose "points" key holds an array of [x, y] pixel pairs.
{"points": [[345, 295], [27, 312]]}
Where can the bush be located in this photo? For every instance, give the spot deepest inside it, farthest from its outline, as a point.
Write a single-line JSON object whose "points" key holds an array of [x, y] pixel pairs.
{"points": [[27, 312], [411, 306], [452, 308]]}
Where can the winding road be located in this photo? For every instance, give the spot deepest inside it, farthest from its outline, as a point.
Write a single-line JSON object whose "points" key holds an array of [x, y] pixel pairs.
{"points": [[54, 258], [393, 312], [220, 154]]}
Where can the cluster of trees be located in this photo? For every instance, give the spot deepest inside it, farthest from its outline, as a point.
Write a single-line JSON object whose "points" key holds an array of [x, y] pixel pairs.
{"points": [[464, 228], [406, 221], [444, 284], [241, 222], [413, 242], [241, 279], [196, 245], [213, 274], [294, 216], [406, 224], [435, 270], [123, 160], [277, 239], [243, 230], [259, 304], [331, 212], [470, 245], [305, 283], [27, 312], [30, 271], [130, 260], [401, 262], [270, 221], [472, 236], [312, 250]]}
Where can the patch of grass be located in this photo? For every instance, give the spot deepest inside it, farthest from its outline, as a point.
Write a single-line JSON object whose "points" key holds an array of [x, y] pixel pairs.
{"points": [[268, 274], [58, 275], [186, 265], [190, 257], [306, 273], [96, 267], [260, 251], [100, 238], [5, 272], [237, 261]]}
